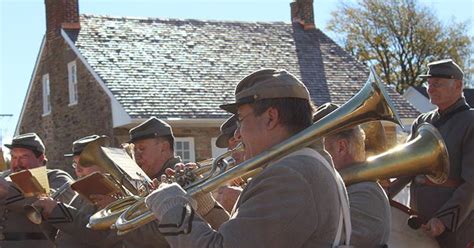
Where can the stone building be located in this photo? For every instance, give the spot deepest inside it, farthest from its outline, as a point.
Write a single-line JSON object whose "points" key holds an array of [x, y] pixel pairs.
{"points": [[104, 75]]}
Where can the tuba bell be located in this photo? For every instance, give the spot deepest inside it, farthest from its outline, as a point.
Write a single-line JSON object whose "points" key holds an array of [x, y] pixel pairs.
{"points": [[369, 104], [425, 154]]}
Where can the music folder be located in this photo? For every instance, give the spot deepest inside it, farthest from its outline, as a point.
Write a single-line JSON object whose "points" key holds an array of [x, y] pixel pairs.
{"points": [[95, 183], [31, 182]]}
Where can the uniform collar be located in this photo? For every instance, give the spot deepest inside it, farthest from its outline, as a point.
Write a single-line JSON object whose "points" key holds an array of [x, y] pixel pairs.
{"points": [[458, 104]]}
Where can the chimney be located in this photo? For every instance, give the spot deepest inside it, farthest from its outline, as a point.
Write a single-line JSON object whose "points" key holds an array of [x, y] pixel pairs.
{"points": [[302, 13], [61, 14]]}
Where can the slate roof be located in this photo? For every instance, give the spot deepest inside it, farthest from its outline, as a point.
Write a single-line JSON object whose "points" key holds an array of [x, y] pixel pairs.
{"points": [[173, 68], [468, 94]]}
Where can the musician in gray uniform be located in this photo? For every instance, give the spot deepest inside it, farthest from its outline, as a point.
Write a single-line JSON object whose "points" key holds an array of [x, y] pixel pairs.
{"points": [[293, 202], [16, 230], [370, 209], [71, 219], [449, 207], [153, 142], [228, 194]]}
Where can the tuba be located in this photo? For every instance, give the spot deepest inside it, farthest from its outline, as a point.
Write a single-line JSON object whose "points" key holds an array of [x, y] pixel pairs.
{"points": [[425, 154], [369, 104]]}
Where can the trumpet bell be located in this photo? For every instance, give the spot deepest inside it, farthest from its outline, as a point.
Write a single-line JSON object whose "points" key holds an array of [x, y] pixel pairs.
{"points": [[425, 154]]}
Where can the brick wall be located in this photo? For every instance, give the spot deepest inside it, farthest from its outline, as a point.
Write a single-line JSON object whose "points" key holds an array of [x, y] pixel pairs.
{"points": [[92, 113]]}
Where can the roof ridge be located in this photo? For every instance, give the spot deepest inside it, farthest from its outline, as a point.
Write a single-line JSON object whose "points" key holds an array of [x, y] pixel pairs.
{"points": [[160, 19]]}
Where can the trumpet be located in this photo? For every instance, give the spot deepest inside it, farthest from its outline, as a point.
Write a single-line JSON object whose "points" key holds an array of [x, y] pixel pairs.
{"points": [[369, 104], [34, 213]]}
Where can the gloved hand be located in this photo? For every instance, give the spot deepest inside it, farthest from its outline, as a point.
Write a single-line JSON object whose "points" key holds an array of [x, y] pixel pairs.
{"points": [[166, 197]]}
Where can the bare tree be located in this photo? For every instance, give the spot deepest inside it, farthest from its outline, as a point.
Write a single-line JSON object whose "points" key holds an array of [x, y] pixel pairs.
{"points": [[400, 37]]}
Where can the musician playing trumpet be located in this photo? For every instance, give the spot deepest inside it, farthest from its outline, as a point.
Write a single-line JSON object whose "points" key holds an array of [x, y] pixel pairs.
{"points": [[71, 219], [293, 202]]}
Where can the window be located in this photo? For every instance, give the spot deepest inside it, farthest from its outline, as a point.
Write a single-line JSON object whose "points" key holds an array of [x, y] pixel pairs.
{"points": [[216, 151], [72, 82], [46, 95], [184, 147]]}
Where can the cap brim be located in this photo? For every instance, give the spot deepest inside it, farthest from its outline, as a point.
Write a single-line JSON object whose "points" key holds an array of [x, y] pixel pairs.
{"points": [[9, 146], [223, 140], [231, 107], [425, 76]]}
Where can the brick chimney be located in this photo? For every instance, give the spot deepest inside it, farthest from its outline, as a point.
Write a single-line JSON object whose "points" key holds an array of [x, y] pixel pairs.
{"points": [[302, 13], [61, 14]]}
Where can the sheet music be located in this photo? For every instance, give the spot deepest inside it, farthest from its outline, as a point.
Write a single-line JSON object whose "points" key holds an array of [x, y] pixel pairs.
{"points": [[121, 159], [41, 175]]}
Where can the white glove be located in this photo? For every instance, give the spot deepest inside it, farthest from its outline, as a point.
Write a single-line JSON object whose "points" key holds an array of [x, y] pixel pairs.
{"points": [[166, 197]]}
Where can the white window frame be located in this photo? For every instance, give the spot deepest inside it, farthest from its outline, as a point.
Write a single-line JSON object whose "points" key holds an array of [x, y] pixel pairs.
{"points": [[180, 152], [72, 83], [46, 95], [216, 151]]}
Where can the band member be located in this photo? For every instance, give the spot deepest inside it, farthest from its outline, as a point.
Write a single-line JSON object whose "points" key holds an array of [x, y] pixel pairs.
{"points": [[16, 230], [153, 142], [71, 219], [449, 207], [293, 202], [227, 195], [369, 206]]}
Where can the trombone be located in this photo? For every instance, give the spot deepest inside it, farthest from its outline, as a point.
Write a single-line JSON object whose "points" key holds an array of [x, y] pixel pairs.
{"points": [[369, 104]]}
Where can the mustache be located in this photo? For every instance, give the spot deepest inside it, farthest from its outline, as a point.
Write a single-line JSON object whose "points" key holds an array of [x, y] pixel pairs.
{"points": [[19, 168]]}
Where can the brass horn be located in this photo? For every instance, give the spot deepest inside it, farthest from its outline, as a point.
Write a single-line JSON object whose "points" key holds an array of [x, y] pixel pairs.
{"points": [[105, 218], [93, 155], [369, 104], [425, 154]]}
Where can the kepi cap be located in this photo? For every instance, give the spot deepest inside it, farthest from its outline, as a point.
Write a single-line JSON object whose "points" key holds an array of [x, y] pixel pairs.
{"points": [[227, 131], [79, 145], [29, 141], [266, 84], [151, 128], [445, 68]]}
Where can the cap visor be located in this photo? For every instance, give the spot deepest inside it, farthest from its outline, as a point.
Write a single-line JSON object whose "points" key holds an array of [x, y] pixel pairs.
{"points": [[425, 76], [9, 146], [231, 108], [223, 140]]}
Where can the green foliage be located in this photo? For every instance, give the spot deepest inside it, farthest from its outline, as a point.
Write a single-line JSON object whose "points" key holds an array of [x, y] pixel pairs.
{"points": [[400, 37]]}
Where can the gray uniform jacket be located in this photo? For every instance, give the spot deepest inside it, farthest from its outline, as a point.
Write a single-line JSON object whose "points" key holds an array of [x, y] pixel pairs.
{"points": [[453, 205], [292, 203], [149, 234], [15, 228], [370, 215], [71, 220]]}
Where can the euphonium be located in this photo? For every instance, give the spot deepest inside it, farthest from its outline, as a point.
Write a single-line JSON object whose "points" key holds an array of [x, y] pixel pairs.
{"points": [[105, 218], [369, 104], [425, 154]]}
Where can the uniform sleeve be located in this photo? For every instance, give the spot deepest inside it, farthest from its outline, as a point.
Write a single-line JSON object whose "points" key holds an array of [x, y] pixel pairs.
{"points": [[259, 221], [73, 221], [14, 199], [368, 216], [145, 236], [57, 179], [459, 206]]}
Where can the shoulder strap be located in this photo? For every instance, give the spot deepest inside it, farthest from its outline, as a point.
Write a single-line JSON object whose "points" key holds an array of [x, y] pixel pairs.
{"points": [[344, 213]]}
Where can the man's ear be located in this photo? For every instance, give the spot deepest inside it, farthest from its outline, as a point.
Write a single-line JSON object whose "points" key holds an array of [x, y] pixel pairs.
{"points": [[342, 146], [273, 117]]}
